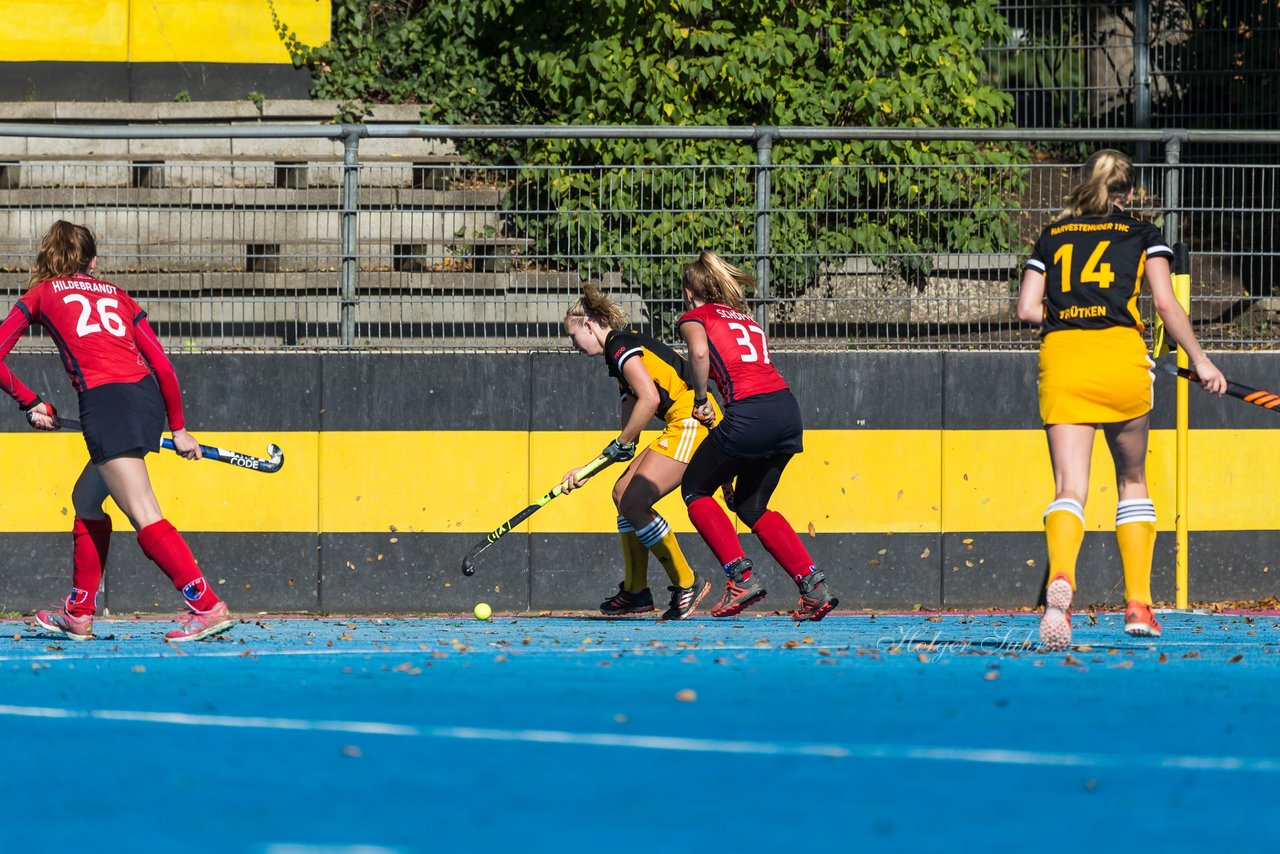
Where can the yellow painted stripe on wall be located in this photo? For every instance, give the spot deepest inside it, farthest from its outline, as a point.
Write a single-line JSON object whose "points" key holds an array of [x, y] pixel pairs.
{"points": [[221, 30], [65, 30], [157, 30], [40, 471], [444, 481], [855, 481], [1001, 480]]}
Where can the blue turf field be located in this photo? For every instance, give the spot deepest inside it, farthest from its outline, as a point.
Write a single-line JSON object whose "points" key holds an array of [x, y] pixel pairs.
{"points": [[908, 733]]}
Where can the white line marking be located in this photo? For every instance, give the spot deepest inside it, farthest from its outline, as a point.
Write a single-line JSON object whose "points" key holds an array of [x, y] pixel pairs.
{"points": [[980, 756]]}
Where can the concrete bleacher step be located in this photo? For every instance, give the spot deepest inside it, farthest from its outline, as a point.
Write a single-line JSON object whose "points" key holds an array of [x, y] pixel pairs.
{"points": [[245, 234]]}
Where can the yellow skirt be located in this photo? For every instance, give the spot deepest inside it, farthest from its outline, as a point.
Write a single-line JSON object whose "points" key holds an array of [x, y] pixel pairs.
{"points": [[1094, 376], [683, 433]]}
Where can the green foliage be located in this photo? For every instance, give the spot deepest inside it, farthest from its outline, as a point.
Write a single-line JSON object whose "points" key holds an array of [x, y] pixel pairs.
{"points": [[258, 99], [183, 97], [640, 205]]}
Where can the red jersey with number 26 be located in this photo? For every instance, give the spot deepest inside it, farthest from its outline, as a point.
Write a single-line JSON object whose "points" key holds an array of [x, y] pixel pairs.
{"points": [[92, 323], [740, 361]]}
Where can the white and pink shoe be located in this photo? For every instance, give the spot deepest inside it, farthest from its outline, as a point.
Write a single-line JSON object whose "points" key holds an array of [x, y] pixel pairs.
{"points": [[198, 625], [1055, 625]]}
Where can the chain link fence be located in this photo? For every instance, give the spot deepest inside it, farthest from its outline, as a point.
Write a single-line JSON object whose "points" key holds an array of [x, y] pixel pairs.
{"points": [[273, 249], [1141, 63]]}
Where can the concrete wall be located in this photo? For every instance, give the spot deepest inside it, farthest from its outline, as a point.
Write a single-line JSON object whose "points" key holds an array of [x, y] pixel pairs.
{"points": [[923, 482]]}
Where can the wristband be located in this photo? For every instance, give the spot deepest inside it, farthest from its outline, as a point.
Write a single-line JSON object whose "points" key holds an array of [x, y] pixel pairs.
{"points": [[699, 402], [32, 405]]}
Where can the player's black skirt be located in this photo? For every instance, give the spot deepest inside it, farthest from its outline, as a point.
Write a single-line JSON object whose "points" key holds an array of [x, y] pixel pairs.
{"points": [[761, 426], [122, 419]]}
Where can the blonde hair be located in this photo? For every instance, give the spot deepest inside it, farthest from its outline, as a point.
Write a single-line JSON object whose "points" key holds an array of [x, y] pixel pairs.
{"points": [[1108, 178], [713, 279], [66, 249], [595, 305]]}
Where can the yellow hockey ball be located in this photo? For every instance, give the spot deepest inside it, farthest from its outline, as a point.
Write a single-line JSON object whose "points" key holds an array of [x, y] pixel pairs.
{"points": [[483, 611]]}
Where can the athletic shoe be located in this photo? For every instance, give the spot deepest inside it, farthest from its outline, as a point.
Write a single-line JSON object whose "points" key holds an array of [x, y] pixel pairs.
{"points": [[1055, 625], [76, 628], [684, 600], [201, 624], [1139, 621], [627, 602], [738, 594], [816, 600]]}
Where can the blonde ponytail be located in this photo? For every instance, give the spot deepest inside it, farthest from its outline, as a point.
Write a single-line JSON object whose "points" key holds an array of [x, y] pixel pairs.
{"points": [[1108, 178], [713, 279], [595, 305]]}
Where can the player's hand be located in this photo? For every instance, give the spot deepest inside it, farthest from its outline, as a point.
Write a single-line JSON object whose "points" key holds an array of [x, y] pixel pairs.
{"points": [[42, 415], [1211, 379], [186, 445], [572, 480], [619, 452], [703, 412]]}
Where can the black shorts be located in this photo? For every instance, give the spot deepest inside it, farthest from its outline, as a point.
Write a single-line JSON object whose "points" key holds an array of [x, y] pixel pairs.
{"points": [[761, 426], [122, 419]]}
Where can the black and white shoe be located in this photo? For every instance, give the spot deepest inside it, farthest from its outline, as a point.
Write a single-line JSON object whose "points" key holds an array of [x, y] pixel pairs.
{"points": [[684, 600], [626, 602]]}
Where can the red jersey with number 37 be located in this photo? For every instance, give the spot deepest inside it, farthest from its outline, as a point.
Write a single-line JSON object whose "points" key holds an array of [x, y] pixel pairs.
{"points": [[92, 323], [740, 362]]}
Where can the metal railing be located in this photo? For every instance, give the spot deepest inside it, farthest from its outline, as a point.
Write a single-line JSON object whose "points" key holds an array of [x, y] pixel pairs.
{"points": [[284, 246]]}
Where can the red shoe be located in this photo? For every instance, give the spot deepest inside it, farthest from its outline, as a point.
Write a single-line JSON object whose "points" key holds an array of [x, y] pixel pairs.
{"points": [[201, 624], [1055, 625], [738, 594], [1139, 621], [76, 628]]}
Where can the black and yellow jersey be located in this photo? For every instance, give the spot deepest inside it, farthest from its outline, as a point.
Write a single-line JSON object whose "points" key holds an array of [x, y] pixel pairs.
{"points": [[1093, 269], [671, 373]]}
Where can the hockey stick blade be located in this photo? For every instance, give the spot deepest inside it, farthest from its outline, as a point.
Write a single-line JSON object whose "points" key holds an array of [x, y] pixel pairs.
{"points": [[1258, 397], [469, 562], [269, 465]]}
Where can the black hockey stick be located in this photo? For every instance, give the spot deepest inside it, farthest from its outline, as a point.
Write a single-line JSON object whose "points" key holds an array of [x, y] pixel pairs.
{"points": [[469, 562], [1258, 397], [270, 465]]}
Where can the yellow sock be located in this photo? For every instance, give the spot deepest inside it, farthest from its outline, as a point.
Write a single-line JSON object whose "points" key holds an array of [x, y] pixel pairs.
{"points": [[667, 551], [1064, 533], [635, 562], [1136, 539]]}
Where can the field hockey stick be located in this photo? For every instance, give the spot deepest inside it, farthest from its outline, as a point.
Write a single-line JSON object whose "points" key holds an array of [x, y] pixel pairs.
{"points": [[469, 562], [1258, 397], [275, 456]]}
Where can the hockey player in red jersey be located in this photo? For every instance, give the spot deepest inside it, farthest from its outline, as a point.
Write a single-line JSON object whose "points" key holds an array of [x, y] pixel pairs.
{"points": [[127, 389], [760, 432]]}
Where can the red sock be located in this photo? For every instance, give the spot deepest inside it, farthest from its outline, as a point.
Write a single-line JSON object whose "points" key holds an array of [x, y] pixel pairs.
{"points": [[780, 540], [161, 542], [716, 530], [90, 540]]}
